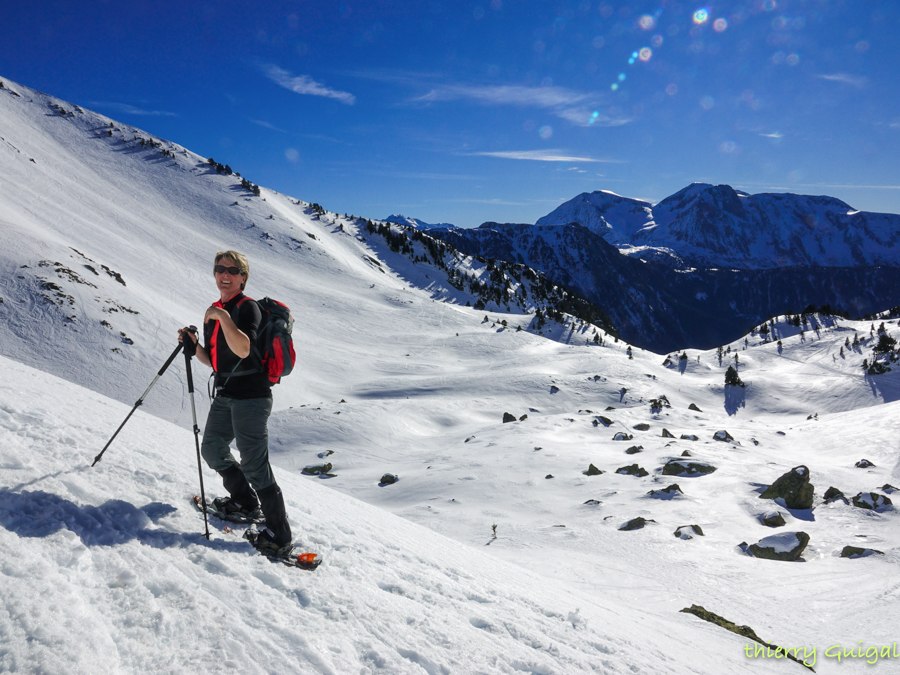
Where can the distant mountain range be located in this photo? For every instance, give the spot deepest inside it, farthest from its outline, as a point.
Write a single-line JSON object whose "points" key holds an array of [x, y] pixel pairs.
{"points": [[705, 265], [706, 225]]}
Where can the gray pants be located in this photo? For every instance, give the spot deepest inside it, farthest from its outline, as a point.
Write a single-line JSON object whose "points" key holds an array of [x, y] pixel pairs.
{"points": [[246, 421]]}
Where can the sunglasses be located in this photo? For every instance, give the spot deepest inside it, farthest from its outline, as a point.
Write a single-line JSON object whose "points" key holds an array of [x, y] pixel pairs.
{"points": [[221, 269]]}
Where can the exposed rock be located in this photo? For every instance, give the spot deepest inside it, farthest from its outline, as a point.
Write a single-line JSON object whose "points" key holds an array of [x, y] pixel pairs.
{"points": [[853, 552], [887, 487], [667, 434], [863, 464], [622, 436], [548, 476], [680, 467], [523, 418], [657, 404], [724, 436], [554, 389], [743, 631], [832, 494], [670, 492], [772, 519], [689, 437], [634, 449], [600, 419], [643, 426], [319, 470], [787, 546], [686, 453], [635, 524], [871, 500], [592, 471], [693, 406], [688, 531], [507, 417], [593, 502], [793, 487], [388, 479], [633, 470]]}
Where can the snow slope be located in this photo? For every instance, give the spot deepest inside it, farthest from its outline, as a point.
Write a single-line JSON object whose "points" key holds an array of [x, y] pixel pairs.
{"points": [[105, 568]]}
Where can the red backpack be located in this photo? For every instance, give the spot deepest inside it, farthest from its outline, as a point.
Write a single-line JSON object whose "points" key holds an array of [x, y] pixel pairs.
{"points": [[273, 352]]}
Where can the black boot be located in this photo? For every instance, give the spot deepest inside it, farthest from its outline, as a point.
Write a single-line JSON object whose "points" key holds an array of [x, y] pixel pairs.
{"points": [[241, 493], [272, 503]]}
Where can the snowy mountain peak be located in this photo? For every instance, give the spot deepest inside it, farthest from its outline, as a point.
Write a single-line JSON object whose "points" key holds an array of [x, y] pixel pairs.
{"points": [[717, 226]]}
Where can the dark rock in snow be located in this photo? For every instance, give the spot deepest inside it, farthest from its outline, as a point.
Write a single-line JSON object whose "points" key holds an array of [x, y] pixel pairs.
{"points": [[832, 494], [635, 524], [693, 406], [689, 437], [622, 436], [680, 467], [634, 449], [319, 470], [643, 426], [772, 519], [723, 436], [871, 501], [670, 492], [688, 531], [854, 552], [793, 487], [863, 464], [592, 471], [788, 546], [388, 479], [633, 470], [507, 417], [667, 434]]}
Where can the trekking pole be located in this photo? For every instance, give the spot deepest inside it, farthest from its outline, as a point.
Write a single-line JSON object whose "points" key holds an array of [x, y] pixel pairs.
{"points": [[190, 381], [140, 400]]}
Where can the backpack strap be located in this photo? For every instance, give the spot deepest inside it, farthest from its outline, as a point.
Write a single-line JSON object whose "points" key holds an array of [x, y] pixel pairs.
{"points": [[254, 351]]}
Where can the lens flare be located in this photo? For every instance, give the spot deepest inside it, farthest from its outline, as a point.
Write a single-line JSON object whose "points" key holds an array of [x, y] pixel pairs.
{"points": [[657, 41], [646, 53], [701, 15], [647, 22], [719, 25], [769, 5], [727, 147], [707, 102], [545, 132], [793, 59], [598, 42], [672, 89]]}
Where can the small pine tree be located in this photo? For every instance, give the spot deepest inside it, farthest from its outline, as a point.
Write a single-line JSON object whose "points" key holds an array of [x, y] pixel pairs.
{"points": [[732, 378]]}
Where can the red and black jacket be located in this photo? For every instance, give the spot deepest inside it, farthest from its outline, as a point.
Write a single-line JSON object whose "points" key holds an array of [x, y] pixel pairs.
{"points": [[235, 377]]}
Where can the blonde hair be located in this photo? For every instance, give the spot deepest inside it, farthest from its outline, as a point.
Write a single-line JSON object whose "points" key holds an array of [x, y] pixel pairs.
{"points": [[240, 261]]}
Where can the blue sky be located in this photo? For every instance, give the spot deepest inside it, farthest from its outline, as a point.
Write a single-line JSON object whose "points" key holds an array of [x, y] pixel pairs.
{"points": [[465, 112]]}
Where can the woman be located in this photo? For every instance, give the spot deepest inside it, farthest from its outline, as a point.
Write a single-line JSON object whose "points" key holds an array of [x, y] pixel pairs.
{"points": [[242, 404]]}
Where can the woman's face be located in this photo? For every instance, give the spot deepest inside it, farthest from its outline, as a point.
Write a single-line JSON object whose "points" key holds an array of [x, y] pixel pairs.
{"points": [[228, 284]]}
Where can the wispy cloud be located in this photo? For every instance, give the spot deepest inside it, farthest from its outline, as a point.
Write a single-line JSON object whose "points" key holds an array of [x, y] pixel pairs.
{"points": [[541, 156], [858, 81], [131, 110], [304, 84], [775, 134], [268, 125], [573, 106]]}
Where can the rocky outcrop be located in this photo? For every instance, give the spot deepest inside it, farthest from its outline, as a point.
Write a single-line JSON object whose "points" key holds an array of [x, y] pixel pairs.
{"points": [[689, 532], [788, 546], [681, 467], [793, 487]]}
